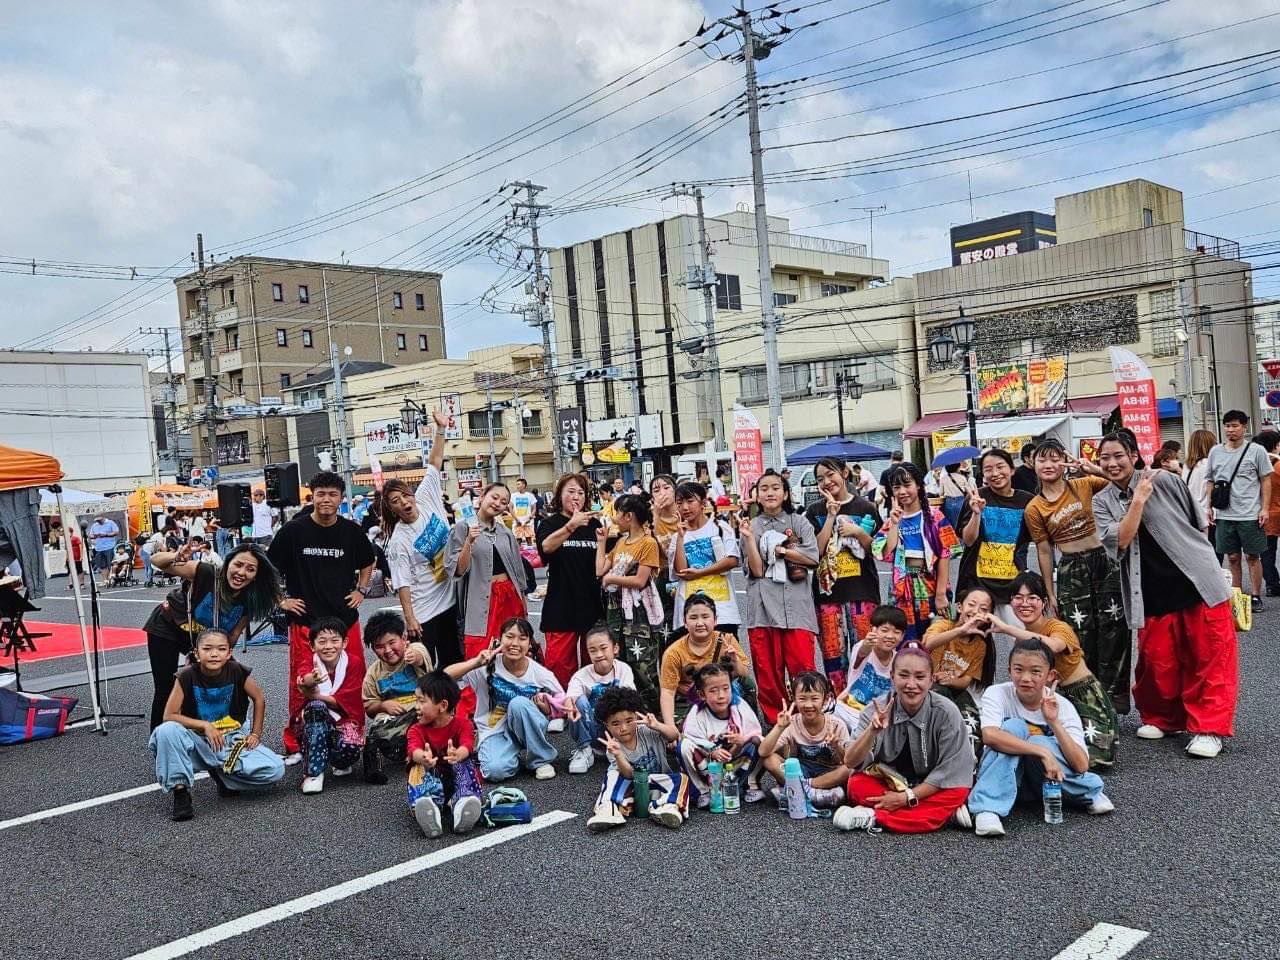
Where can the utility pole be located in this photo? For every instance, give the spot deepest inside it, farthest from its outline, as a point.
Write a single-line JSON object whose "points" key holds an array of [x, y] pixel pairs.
{"points": [[707, 281], [171, 404], [339, 397], [635, 407], [206, 350], [773, 373], [518, 407], [542, 317], [1188, 389], [488, 419]]}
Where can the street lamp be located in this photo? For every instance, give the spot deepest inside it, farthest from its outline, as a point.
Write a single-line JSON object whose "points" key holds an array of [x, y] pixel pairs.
{"points": [[411, 415], [958, 336]]}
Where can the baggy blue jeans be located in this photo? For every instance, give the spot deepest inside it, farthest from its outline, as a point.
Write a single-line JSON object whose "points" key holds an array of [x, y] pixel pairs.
{"points": [[179, 752], [1001, 774], [524, 730]]}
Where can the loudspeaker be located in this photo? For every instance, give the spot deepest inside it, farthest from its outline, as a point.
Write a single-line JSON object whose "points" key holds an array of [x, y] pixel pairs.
{"points": [[235, 505], [283, 487]]}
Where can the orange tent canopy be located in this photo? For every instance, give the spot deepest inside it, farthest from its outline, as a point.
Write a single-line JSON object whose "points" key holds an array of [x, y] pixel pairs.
{"points": [[23, 468]]}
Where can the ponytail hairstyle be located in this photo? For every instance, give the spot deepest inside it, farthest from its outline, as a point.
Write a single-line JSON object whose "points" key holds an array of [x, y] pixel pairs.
{"points": [[787, 505], [908, 472]]}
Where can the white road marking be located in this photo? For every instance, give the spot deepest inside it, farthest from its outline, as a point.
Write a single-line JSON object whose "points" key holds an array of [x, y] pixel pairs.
{"points": [[322, 898], [153, 601], [83, 804], [1106, 941]]}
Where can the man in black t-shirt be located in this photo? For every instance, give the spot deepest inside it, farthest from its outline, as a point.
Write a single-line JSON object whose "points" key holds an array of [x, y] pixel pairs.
{"points": [[1024, 478], [325, 561]]}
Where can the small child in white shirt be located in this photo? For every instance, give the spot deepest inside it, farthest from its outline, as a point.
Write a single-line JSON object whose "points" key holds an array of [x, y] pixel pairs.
{"points": [[604, 672], [719, 730]]}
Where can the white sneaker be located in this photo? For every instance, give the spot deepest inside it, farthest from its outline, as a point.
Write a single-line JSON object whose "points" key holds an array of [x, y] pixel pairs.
{"points": [[292, 759], [826, 799], [988, 825], [555, 725], [313, 784], [855, 818], [752, 795], [668, 815], [342, 771], [427, 814], [545, 772], [962, 818], [466, 812], [1101, 804], [704, 801], [1205, 745], [1149, 731], [582, 760], [606, 817]]}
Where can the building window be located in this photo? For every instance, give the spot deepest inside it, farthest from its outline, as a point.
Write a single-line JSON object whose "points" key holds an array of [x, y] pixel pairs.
{"points": [[285, 381], [231, 448], [532, 423], [419, 302], [1164, 323], [1147, 218], [400, 341], [304, 295], [783, 299], [728, 292], [422, 341], [307, 339], [277, 292], [282, 337], [231, 295], [835, 289], [397, 301], [237, 385], [476, 427]]}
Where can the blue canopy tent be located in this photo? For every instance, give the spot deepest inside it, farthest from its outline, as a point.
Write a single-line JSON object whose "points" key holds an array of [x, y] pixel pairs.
{"points": [[838, 448]]}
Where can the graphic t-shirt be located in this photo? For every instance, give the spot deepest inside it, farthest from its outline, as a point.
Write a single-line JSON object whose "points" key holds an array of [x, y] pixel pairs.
{"points": [[815, 750], [522, 507], [1001, 703], [911, 534], [649, 752], [703, 547], [399, 683], [573, 601], [169, 619], [961, 656], [866, 682], [587, 683], [1070, 517], [1000, 552], [627, 555], [217, 698], [491, 705], [320, 565], [856, 579], [415, 551]]}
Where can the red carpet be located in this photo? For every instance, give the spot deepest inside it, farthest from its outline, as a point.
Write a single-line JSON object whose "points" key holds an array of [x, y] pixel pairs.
{"points": [[65, 641]]}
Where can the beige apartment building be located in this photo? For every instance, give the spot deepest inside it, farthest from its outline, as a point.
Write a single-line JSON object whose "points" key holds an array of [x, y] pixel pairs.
{"points": [[273, 325], [632, 301]]}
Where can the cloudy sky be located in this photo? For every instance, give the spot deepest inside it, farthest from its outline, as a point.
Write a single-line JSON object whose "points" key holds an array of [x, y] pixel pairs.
{"points": [[384, 133]]}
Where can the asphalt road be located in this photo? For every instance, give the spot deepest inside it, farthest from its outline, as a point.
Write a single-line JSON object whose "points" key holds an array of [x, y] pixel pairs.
{"points": [[1189, 857]]}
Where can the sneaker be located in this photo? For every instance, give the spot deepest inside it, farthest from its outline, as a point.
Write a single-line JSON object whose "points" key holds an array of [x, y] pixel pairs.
{"points": [[988, 825], [427, 814], [961, 818], [292, 759], [372, 762], [1273, 591], [545, 772], [182, 808], [1149, 731], [466, 813], [704, 801], [342, 771], [581, 760], [606, 817], [752, 795], [856, 818], [1257, 604], [1205, 745], [313, 784], [223, 789], [1101, 804], [779, 797], [668, 815], [828, 799], [555, 725]]}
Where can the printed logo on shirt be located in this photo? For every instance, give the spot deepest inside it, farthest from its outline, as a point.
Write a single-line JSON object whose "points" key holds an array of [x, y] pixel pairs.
{"points": [[213, 704], [203, 615], [335, 553], [700, 554], [504, 691], [430, 546], [847, 566], [815, 755], [866, 687], [400, 686], [1000, 526]]}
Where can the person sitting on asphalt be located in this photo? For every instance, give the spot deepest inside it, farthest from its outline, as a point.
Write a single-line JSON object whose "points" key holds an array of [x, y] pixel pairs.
{"points": [[910, 754], [389, 690], [872, 670], [206, 725], [441, 754], [330, 723], [586, 687], [718, 730], [964, 658], [701, 644], [636, 740], [807, 731], [1031, 735]]}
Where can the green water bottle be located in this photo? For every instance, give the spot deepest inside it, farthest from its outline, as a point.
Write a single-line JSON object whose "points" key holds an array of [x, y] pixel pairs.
{"points": [[640, 785]]}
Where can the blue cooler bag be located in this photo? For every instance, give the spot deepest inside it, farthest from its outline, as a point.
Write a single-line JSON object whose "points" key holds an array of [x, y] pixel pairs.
{"points": [[29, 716], [505, 806]]}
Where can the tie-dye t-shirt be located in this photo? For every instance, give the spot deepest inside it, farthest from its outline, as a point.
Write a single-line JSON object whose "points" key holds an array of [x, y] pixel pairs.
{"points": [[217, 698], [415, 551], [494, 691]]}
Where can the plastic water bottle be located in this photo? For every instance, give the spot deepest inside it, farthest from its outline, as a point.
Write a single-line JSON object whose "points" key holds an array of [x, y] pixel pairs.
{"points": [[1052, 793], [793, 777], [640, 782], [715, 781], [732, 790]]}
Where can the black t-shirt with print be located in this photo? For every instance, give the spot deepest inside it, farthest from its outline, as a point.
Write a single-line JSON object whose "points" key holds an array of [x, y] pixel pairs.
{"points": [[213, 697], [1000, 552], [573, 590], [864, 586], [169, 620], [321, 565]]}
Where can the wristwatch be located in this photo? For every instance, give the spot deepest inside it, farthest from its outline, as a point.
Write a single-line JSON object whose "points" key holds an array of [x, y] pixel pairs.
{"points": [[912, 799], [363, 591]]}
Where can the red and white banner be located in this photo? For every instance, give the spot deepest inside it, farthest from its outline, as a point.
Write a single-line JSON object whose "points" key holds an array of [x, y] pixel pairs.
{"points": [[748, 451], [1136, 390]]}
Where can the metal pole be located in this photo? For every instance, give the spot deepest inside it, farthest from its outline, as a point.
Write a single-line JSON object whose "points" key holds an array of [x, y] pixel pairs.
{"points": [[488, 419], [543, 318], [709, 305], [519, 408], [970, 414], [206, 350], [840, 401], [377, 300], [635, 407], [339, 396], [1188, 424]]}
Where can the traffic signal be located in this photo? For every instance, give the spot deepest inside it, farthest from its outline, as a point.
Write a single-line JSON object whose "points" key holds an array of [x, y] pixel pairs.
{"points": [[283, 487], [235, 505]]}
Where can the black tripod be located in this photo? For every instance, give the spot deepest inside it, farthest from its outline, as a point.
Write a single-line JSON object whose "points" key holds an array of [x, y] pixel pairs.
{"points": [[16, 637]]}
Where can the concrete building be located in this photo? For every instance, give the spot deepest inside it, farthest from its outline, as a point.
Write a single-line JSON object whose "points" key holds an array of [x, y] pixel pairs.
{"points": [[510, 376], [1266, 326], [272, 324], [93, 411], [1125, 272], [626, 301]]}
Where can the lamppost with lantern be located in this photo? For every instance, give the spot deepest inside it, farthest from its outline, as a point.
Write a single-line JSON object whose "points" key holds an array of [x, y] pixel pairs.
{"points": [[958, 337]]}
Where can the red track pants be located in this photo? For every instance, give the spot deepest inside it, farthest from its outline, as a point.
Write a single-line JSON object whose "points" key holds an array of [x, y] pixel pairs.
{"points": [[505, 602], [927, 815], [774, 651], [1187, 676], [300, 654], [562, 653]]}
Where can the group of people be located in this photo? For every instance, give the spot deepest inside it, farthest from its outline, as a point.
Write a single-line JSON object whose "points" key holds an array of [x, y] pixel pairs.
{"points": [[889, 704]]}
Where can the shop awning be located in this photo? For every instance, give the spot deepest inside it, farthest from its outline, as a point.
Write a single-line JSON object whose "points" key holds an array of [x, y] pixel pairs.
{"points": [[1012, 427], [1104, 404], [931, 423]]}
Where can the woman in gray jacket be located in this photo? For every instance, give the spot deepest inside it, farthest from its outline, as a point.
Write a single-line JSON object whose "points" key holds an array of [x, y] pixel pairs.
{"points": [[484, 559]]}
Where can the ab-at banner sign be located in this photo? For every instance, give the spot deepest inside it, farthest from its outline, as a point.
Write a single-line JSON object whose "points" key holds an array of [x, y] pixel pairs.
{"points": [[1136, 391], [748, 451]]}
